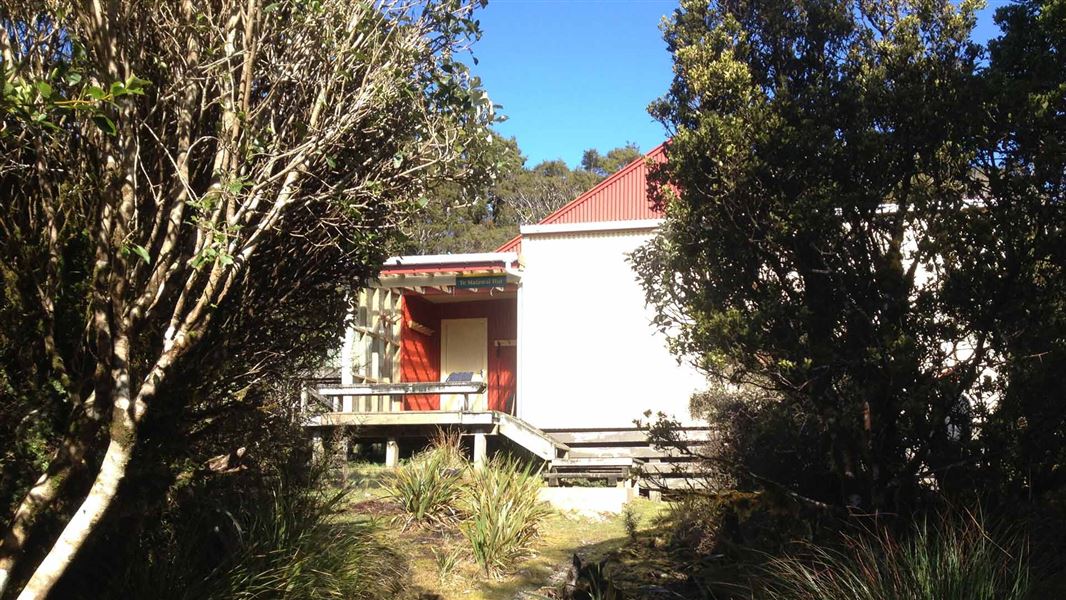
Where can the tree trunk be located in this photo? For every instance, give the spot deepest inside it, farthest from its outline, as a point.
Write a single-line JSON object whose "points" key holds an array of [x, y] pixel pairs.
{"points": [[68, 462], [89, 513], [38, 499], [125, 414]]}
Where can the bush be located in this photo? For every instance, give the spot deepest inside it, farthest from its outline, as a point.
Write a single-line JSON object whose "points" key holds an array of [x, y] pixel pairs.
{"points": [[505, 514], [292, 548], [244, 536], [428, 488], [946, 559]]}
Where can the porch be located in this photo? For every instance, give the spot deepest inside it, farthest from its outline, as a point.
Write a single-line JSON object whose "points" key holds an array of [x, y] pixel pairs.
{"points": [[394, 426]]}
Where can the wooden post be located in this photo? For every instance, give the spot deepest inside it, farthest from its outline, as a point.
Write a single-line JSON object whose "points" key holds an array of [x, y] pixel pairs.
{"points": [[340, 453], [347, 358], [480, 450], [318, 449], [392, 453]]}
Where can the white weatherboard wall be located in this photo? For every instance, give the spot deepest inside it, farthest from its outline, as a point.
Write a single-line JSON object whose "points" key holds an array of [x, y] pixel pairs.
{"points": [[588, 354]]}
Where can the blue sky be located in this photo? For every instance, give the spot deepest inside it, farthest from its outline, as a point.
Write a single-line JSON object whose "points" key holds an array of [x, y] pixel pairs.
{"points": [[577, 74]]}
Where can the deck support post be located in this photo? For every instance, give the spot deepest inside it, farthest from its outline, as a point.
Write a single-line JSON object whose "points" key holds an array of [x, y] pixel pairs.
{"points": [[318, 448], [392, 453], [340, 452], [480, 450]]}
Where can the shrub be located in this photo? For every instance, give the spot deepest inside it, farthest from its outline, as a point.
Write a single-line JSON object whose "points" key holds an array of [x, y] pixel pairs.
{"points": [[428, 487], [631, 520], [244, 537], [946, 559], [294, 549], [448, 442], [505, 514]]}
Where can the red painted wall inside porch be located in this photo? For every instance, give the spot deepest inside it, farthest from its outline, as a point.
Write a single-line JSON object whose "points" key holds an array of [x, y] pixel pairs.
{"points": [[420, 354]]}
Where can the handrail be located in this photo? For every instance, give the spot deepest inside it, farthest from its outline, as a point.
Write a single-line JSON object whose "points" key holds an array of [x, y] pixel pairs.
{"points": [[403, 389], [319, 399], [328, 395]]}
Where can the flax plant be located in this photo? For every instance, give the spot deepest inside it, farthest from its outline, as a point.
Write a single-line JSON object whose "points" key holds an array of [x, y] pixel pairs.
{"points": [[505, 514]]}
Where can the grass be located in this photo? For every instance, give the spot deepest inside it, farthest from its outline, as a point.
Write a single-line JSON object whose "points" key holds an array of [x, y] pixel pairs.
{"points": [[427, 551], [648, 547], [943, 558]]}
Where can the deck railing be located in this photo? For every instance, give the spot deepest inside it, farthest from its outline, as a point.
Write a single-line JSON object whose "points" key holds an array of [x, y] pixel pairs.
{"points": [[382, 397]]}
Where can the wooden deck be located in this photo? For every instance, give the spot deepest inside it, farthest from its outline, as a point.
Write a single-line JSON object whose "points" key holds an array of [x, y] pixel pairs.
{"points": [[393, 425], [616, 455]]}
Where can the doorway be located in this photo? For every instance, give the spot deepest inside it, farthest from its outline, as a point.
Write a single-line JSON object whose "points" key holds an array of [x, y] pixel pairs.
{"points": [[464, 348]]}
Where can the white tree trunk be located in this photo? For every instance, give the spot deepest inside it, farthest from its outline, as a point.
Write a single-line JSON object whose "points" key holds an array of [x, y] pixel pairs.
{"points": [[125, 414], [40, 496], [88, 515]]}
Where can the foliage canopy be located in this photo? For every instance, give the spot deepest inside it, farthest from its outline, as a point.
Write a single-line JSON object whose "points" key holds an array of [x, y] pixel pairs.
{"points": [[863, 205], [191, 193]]}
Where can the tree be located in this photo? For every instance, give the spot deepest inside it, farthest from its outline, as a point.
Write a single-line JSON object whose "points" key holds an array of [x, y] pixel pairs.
{"points": [[191, 193], [479, 220], [1023, 159], [461, 218], [820, 170], [604, 165], [534, 193]]}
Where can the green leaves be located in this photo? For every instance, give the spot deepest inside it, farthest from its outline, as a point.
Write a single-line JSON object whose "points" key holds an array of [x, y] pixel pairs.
{"points": [[96, 93], [104, 123], [140, 251], [44, 89], [48, 102], [211, 254], [814, 153]]}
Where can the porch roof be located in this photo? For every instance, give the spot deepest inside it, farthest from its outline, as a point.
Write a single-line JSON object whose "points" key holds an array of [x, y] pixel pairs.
{"points": [[452, 274]]}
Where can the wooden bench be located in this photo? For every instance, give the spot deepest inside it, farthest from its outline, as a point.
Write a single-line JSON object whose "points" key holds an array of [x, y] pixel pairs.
{"points": [[611, 469]]}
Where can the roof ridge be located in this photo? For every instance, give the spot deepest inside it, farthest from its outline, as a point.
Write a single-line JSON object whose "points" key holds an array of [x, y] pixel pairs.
{"points": [[619, 174], [584, 196]]}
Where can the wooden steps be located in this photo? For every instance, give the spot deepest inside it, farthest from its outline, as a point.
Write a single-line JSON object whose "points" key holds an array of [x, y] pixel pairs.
{"points": [[617, 455], [530, 438]]}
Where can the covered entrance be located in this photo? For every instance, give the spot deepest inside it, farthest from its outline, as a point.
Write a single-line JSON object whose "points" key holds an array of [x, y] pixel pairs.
{"points": [[454, 318]]}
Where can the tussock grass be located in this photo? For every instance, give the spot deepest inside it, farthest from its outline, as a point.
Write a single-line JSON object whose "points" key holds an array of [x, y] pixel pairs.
{"points": [[505, 514], [447, 562], [448, 442], [292, 548], [946, 558], [248, 537], [496, 508], [428, 488]]}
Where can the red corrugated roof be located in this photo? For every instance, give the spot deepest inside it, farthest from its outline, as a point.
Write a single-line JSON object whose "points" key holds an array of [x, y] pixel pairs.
{"points": [[621, 197], [436, 269]]}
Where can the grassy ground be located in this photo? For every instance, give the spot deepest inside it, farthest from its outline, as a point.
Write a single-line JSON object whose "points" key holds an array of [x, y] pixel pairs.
{"points": [[427, 552], [651, 562]]}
